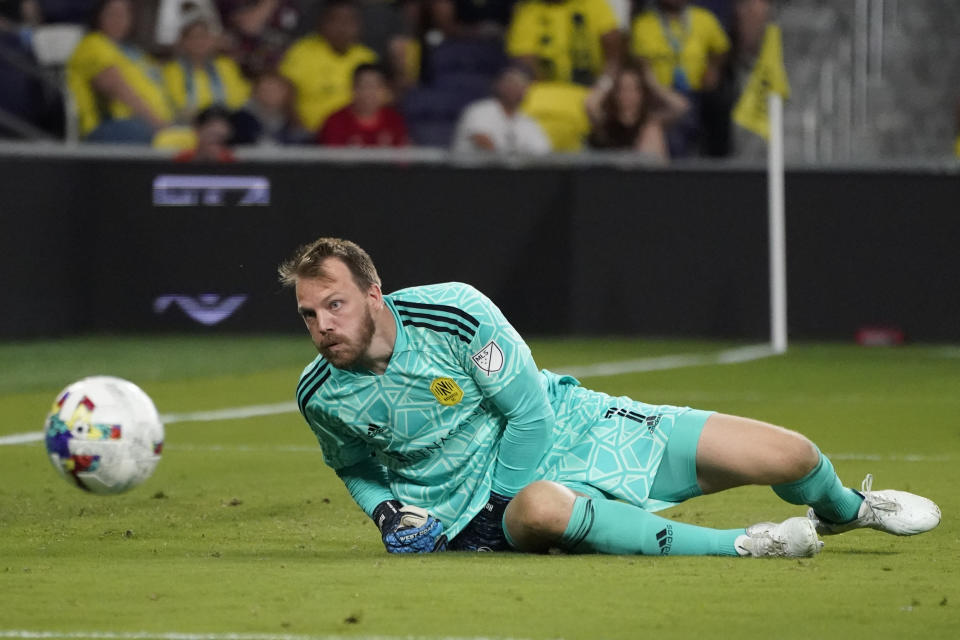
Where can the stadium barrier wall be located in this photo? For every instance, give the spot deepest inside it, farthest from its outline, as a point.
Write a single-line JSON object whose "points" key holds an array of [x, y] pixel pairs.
{"points": [[123, 245]]}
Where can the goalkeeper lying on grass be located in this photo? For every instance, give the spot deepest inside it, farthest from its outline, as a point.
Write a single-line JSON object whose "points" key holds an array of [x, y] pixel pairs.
{"points": [[428, 405]]}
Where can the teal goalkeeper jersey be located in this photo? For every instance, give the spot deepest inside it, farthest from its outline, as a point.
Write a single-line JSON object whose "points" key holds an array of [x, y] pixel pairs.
{"points": [[461, 408]]}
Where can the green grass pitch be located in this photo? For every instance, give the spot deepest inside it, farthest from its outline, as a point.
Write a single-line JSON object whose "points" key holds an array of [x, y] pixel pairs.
{"points": [[243, 530]]}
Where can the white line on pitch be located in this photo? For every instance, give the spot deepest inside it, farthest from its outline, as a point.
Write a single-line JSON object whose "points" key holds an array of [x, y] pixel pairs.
{"points": [[729, 356], [24, 634]]}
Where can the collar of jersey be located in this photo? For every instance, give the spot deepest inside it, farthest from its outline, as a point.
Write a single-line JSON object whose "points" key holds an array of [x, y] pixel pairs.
{"points": [[400, 344]]}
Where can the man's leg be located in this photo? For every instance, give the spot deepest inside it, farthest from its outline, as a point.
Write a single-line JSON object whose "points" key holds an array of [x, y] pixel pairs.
{"points": [[735, 451], [547, 514]]}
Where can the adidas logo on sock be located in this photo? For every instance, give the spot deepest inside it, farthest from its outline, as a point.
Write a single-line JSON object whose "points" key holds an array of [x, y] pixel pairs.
{"points": [[665, 539]]}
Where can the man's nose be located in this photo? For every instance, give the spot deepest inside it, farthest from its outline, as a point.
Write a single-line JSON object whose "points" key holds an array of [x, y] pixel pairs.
{"points": [[324, 322]]}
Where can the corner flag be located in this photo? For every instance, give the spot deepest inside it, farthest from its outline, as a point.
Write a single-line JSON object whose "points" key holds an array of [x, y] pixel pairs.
{"points": [[768, 75]]}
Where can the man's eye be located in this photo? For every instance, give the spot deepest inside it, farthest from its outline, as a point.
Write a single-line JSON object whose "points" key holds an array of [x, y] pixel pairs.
{"points": [[336, 304]]}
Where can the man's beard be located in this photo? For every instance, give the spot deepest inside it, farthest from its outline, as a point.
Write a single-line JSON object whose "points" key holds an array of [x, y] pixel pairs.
{"points": [[348, 353]]}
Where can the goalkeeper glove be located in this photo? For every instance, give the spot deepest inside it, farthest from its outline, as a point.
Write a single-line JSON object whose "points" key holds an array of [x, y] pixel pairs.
{"points": [[408, 529]]}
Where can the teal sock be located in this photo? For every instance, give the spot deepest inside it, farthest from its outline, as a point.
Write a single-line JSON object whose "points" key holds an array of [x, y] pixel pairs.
{"points": [[822, 490], [607, 526]]}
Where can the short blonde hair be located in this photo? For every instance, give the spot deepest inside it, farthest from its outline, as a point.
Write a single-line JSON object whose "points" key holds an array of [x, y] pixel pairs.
{"points": [[308, 262]]}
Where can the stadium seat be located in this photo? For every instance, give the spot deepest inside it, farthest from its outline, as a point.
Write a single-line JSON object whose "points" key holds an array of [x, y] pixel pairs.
{"points": [[431, 114], [467, 56], [458, 72], [53, 45]]}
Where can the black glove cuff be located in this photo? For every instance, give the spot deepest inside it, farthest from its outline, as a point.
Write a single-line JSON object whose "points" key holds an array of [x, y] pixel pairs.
{"points": [[493, 510], [385, 512], [498, 499]]}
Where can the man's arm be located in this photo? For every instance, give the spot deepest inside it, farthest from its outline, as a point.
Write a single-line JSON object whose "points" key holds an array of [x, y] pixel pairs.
{"points": [[403, 528], [500, 362], [110, 83], [527, 436], [367, 483]]}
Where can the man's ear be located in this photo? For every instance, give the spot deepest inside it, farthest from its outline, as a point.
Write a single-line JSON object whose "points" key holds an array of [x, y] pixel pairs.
{"points": [[375, 294]]}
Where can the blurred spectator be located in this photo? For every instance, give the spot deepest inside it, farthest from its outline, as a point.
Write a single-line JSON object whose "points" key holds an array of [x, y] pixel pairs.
{"points": [[486, 16], [117, 87], [449, 51], [756, 49], [566, 40], [438, 25], [456, 66], [15, 14], [686, 46], [267, 118], [30, 102], [199, 77], [632, 112], [385, 23], [261, 31], [497, 124], [367, 121], [171, 16], [321, 65], [213, 131], [560, 109]]}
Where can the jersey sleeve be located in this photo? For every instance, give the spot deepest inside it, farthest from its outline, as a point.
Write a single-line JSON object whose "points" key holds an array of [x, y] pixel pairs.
{"points": [[93, 55], [340, 449], [368, 483], [717, 41], [522, 31], [495, 354], [501, 364], [294, 64], [350, 457]]}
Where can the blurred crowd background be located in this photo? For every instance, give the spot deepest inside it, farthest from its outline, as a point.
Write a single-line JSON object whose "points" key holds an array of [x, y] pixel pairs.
{"points": [[865, 80]]}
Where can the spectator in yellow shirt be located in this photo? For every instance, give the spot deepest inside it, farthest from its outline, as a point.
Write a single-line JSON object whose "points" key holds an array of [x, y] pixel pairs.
{"points": [[198, 77], [560, 110], [566, 40], [687, 48], [685, 45], [117, 87], [321, 65]]}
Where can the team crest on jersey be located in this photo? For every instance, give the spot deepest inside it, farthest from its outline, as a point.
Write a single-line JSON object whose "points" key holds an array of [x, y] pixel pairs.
{"points": [[446, 391], [489, 359]]}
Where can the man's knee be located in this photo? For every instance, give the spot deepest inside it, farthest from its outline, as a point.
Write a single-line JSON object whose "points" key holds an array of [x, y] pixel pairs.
{"points": [[538, 515], [798, 456]]}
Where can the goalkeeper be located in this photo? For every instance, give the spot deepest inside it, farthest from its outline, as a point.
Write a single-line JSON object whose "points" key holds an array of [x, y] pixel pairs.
{"points": [[429, 407]]}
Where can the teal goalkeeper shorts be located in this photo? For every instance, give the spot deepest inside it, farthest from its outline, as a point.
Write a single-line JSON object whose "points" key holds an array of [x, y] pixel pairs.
{"points": [[620, 448], [676, 479]]}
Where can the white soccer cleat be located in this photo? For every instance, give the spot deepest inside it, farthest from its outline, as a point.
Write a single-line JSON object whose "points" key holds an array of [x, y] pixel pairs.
{"points": [[896, 512], [792, 538]]}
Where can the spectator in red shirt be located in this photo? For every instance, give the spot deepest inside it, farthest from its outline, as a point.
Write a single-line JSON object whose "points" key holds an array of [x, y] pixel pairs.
{"points": [[368, 121]]}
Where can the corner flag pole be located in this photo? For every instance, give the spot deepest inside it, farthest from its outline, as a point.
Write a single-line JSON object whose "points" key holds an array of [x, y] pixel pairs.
{"points": [[777, 226]]}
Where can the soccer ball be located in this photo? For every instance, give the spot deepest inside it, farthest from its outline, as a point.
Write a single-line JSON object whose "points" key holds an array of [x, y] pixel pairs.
{"points": [[104, 435]]}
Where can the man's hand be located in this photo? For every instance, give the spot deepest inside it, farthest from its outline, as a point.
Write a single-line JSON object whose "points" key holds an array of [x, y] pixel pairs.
{"points": [[408, 529]]}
